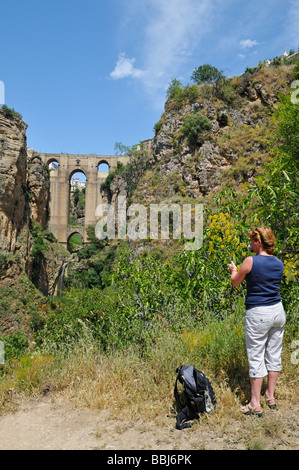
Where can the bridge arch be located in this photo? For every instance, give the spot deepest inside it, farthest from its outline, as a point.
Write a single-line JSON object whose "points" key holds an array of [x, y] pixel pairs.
{"points": [[77, 199], [103, 166], [75, 240], [77, 170], [52, 163]]}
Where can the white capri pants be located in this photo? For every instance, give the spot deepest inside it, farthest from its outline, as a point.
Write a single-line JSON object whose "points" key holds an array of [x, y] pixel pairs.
{"points": [[264, 328]]}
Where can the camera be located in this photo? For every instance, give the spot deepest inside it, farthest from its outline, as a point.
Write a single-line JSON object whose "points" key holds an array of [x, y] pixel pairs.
{"points": [[249, 248]]}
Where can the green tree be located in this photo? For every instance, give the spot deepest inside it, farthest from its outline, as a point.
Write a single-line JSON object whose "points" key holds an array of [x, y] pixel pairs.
{"points": [[286, 117], [208, 74], [278, 189], [76, 196]]}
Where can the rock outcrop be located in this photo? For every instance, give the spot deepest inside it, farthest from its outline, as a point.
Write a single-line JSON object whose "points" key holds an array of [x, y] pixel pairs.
{"points": [[14, 207], [25, 186], [235, 146], [24, 200], [38, 184]]}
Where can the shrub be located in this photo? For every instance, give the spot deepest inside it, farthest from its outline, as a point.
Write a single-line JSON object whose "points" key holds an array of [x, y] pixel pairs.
{"points": [[193, 126], [38, 249], [180, 94], [15, 345], [174, 89], [192, 93], [157, 127], [10, 113]]}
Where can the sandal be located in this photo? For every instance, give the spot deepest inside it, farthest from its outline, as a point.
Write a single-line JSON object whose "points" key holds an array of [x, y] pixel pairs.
{"points": [[272, 406], [251, 410]]}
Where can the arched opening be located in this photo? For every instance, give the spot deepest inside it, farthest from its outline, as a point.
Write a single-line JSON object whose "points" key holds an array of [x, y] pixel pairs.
{"points": [[77, 199], [103, 167], [53, 165], [75, 242]]}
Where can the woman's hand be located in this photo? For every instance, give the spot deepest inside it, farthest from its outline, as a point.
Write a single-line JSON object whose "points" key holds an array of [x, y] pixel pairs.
{"points": [[232, 267]]}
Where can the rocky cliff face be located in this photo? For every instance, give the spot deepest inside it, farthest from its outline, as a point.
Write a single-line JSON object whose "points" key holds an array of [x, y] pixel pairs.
{"points": [[14, 208], [231, 151], [24, 199], [24, 189], [234, 148], [38, 186]]}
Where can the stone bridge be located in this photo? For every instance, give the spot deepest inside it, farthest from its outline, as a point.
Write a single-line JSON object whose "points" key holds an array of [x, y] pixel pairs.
{"points": [[63, 167]]}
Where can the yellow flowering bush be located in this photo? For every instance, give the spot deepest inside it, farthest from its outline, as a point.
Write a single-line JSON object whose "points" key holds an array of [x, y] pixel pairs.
{"points": [[290, 266], [225, 239]]}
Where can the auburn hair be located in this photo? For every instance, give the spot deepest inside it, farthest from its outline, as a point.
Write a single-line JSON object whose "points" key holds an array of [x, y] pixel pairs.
{"points": [[265, 236]]}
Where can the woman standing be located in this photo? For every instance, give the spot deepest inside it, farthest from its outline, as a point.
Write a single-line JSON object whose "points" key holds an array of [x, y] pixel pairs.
{"points": [[265, 316]]}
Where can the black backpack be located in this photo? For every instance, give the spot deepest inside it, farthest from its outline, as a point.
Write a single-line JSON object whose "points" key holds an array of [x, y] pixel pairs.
{"points": [[196, 397]]}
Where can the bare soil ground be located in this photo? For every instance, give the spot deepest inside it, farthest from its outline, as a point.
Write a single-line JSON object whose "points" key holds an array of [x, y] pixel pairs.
{"points": [[51, 423]]}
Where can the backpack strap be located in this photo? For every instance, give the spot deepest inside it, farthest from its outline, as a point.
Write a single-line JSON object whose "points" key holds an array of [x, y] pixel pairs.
{"points": [[176, 394], [185, 415]]}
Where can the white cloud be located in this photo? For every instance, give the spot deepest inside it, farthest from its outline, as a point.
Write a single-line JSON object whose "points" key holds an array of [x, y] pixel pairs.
{"points": [[171, 31], [125, 68], [162, 35], [248, 43], [174, 32]]}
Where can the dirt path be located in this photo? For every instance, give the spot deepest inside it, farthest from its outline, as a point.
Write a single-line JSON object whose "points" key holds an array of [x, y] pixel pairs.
{"points": [[51, 424]]}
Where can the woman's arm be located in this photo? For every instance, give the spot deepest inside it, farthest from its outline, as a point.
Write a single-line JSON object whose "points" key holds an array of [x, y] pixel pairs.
{"points": [[238, 276]]}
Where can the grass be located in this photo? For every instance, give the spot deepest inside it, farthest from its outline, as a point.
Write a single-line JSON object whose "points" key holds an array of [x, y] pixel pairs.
{"points": [[136, 384], [141, 381], [274, 78]]}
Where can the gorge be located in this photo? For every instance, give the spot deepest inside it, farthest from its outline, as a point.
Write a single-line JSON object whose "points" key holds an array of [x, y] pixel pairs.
{"points": [[167, 169]]}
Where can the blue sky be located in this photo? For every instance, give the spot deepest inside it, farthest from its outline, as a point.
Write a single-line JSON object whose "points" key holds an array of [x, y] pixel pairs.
{"points": [[87, 74]]}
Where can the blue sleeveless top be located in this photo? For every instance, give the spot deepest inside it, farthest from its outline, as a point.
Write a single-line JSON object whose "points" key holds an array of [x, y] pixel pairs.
{"points": [[263, 281]]}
